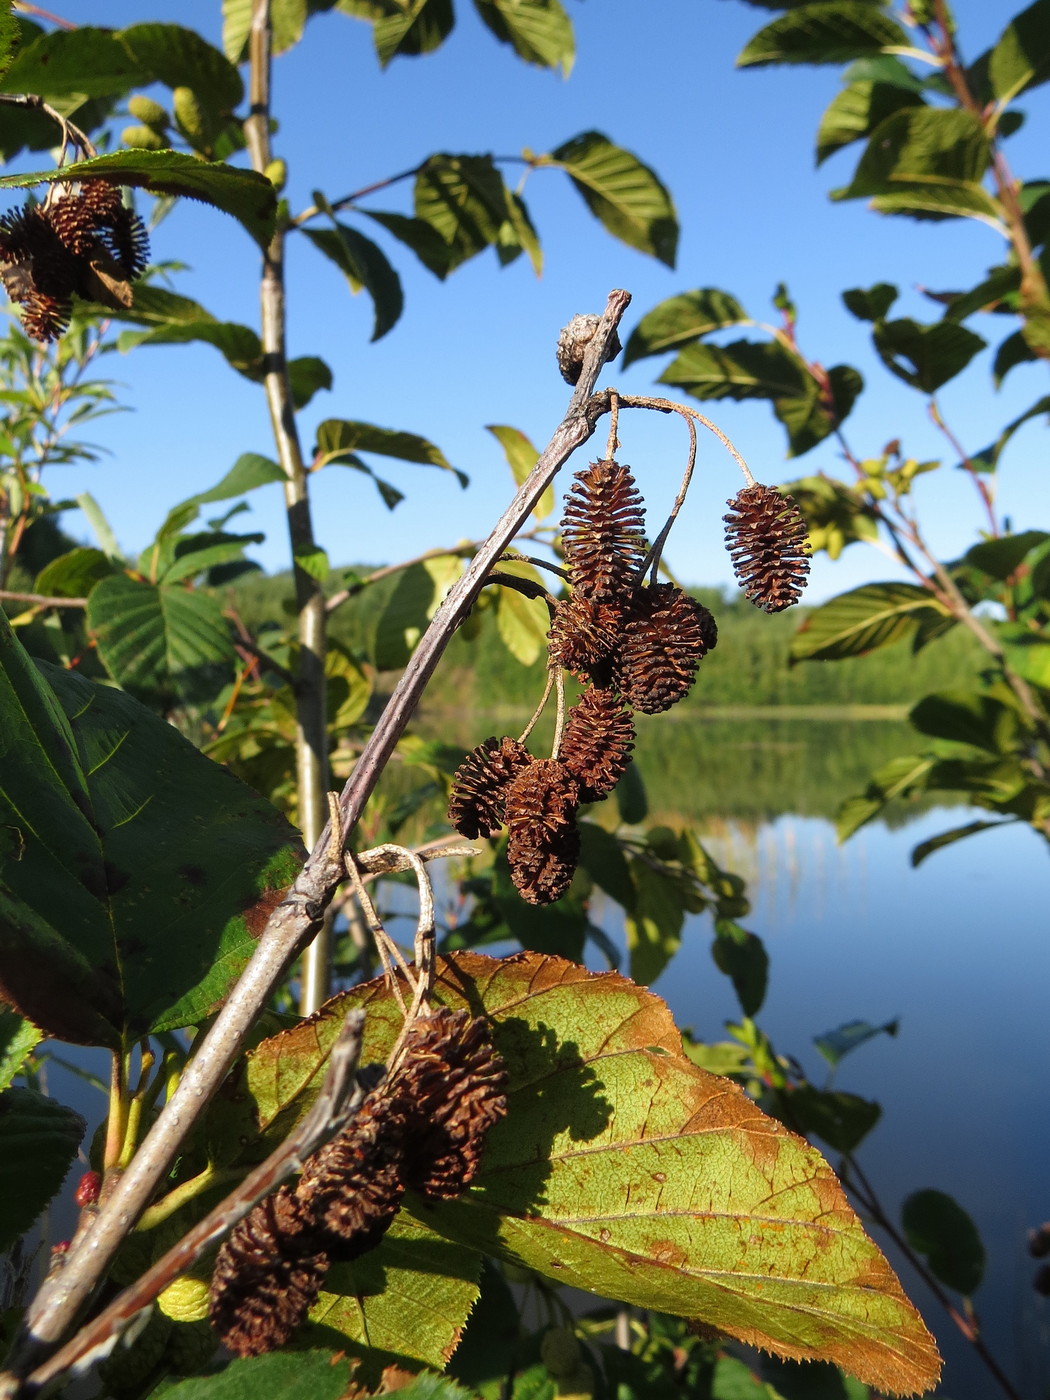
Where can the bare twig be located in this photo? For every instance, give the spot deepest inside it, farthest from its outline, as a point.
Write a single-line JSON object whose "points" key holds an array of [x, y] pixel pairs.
{"points": [[41, 600], [338, 1099], [69, 131], [300, 914]]}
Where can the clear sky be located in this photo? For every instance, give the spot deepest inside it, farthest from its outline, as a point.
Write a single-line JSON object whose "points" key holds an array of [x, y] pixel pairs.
{"points": [[735, 148]]}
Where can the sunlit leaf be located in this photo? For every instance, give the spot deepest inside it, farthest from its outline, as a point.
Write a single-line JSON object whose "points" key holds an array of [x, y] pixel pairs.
{"points": [[463, 199], [85, 61], [898, 778], [624, 195], [292, 1375], [863, 619], [926, 356], [523, 623], [307, 375], [744, 369], [73, 574], [180, 57], [9, 37], [1021, 58], [18, 1038], [521, 458], [682, 319], [856, 111], [340, 437], [830, 31], [539, 31]]}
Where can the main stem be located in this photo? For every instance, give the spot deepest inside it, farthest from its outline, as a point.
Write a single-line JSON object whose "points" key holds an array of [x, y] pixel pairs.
{"points": [[311, 754]]}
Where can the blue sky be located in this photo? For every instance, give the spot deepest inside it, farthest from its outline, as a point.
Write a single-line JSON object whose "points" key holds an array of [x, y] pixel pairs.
{"points": [[735, 149]]}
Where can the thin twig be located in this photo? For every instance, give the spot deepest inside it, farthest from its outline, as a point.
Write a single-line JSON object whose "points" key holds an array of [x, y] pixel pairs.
{"points": [[41, 600], [301, 913], [652, 559], [612, 442], [337, 1101], [559, 723], [524, 735], [30, 99]]}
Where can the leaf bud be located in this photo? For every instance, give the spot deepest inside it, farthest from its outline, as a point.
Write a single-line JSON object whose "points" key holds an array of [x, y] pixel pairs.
{"points": [[142, 138], [148, 112], [560, 1352], [277, 174], [88, 1188], [185, 1299], [189, 117]]}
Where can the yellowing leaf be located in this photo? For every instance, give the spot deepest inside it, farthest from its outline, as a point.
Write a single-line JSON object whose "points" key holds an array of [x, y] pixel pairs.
{"points": [[624, 1169]]}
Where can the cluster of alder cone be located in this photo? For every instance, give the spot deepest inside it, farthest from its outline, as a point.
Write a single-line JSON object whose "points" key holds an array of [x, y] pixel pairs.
{"points": [[635, 646], [421, 1128], [83, 242]]}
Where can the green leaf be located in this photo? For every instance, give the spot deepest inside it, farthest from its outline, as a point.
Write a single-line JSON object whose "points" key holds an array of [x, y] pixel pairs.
{"points": [[631, 800], [1027, 652], [408, 1299], [682, 319], [38, 1144], [742, 957], [602, 857], [82, 62], [250, 471], [146, 871], [521, 457], [18, 1038], [179, 57], [364, 264], [408, 27], [403, 619], [518, 235], [897, 778], [239, 345], [654, 921], [809, 418], [843, 1040], [872, 303], [73, 574], [196, 554], [939, 1228], [842, 1120], [246, 196], [1001, 557], [423, 239], [523, 623], [160, 643], [996, 292], [623, 1169], [863, 619], [987, 459], [1021, 58], [10, 37], [291, 1375], [928, 162], [948, 838], [339, 438], [539, 31], [1014, 351], [832, 31], [624, 195], [464, 200], [307, 374], [926, 357], [313, 561], [857, 110], [744, 369]]}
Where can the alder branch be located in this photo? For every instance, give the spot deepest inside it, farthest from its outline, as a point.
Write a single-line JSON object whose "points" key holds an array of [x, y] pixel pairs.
{"points": [[301, 913], [333, 1108]]}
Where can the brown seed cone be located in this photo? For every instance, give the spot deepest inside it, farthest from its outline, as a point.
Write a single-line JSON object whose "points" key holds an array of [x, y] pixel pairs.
{"points": [[267, 1276], [37, 271], [455, 1081], [76, 225], [584, 633], [45, 317], [768, 544], [479, 789], [667, 636], [101, 197], [596, 743], [128, 242], [544, 844], [603, 530], [542, 870]]}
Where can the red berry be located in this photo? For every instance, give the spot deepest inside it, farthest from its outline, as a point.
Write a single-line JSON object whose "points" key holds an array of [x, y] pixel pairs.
{"points": [[88, 1189]]}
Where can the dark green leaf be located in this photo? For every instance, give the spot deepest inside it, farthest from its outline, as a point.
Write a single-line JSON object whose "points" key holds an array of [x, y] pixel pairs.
{"points": [[927, 162], [624, 195], [423, 239], [836, 1044], [239, 345], [539, 31], [1000, 557], [306, 375], [857, 110], [831, 31], [288, 18], [742, 957], [631, 800], [1027, 652], [38, 1144], [464, 200], [411, 27], [744, 369], [872, 303], [1013, 351], [682, 319], [195, 554], [809, 418], [898, 778], [146, 870], [340, 437], [559, 929], [160, 643], [861, 620], [246, 196], [365, 265], [18, 1038], [179, 57], [518, 235], [1021, 58], [74, 574], [939, 1228], [654, 921], [250, 471], [85, 61], [403, 619], [282, 1375], [998, 292], [842, 1120], [949, 838], [10, 37], [926, 357], [601, 855]]}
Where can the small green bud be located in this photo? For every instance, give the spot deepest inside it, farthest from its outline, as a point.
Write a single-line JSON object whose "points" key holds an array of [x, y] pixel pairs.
{"points": [[142, 138], [277, 174], [189, 117], [149, 113]]}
